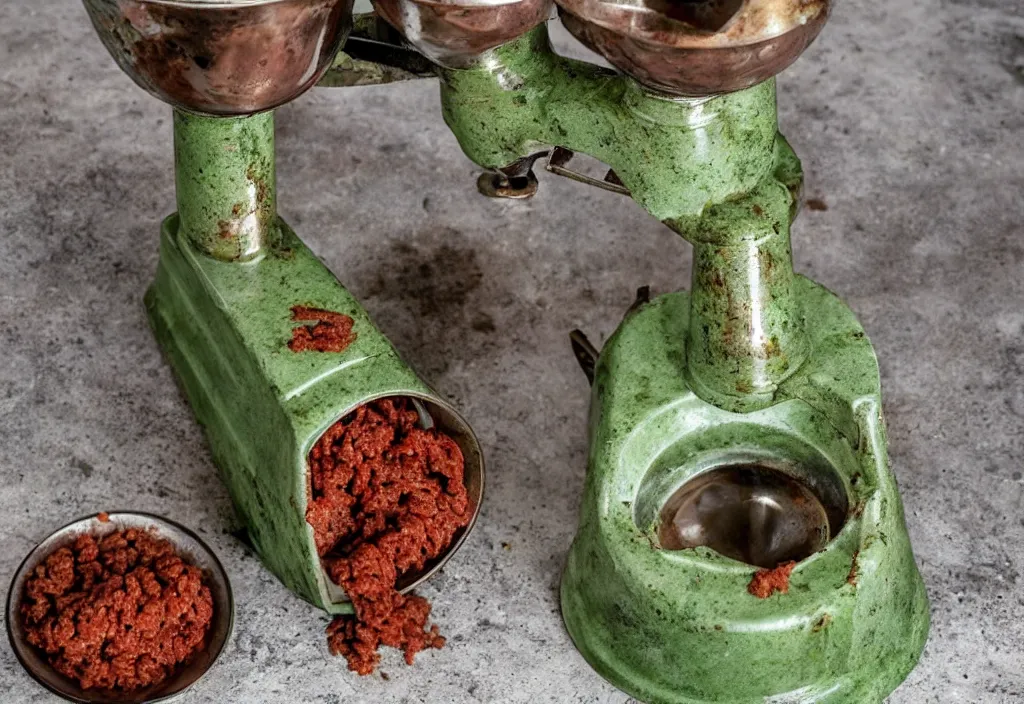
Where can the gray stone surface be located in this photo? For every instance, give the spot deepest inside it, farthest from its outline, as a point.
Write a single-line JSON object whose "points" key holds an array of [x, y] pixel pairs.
{"points": [[908, 116]]}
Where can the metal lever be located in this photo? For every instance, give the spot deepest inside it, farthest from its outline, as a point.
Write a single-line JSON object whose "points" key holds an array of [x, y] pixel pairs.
{"points": [[518, 181], [585, 352], [558, 160], [515, 181]]}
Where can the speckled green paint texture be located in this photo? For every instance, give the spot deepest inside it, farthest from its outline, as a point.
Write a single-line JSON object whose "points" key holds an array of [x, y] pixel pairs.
{"points": [[746, 334], [524, 98], [226, 183], [680, 627], [755, 365], [714, 169], [225, 326]]}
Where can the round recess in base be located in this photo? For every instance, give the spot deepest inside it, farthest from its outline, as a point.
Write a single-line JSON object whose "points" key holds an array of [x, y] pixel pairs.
{"points": [[753, 514], [227, 57], [843, 625]]}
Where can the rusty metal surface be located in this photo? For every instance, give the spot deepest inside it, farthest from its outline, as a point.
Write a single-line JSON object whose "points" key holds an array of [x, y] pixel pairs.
{"points": [[223, 58], [697, 49], [453, 34]]}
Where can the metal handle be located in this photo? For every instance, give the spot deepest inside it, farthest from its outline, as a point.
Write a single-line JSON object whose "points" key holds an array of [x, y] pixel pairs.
{"points": [[558, 160], [585, 352]]}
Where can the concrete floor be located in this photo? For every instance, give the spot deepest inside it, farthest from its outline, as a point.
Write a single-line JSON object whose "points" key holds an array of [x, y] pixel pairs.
{"points": [[909, 117]]}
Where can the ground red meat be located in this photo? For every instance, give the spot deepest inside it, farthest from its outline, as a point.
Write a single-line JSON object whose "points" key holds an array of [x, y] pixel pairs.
{"points": [[120, 611], [767, 582], [331, 333], [386, 497]]}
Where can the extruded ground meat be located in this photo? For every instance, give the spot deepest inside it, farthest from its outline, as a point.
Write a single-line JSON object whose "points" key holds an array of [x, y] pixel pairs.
{"points": [[386, 497], [332, 331], [117, 612], [766, 582]]}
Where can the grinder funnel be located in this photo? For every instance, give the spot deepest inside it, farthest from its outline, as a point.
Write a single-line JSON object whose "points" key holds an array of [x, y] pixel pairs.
{"points": [[223, 57], [697, 47], [453, 33]]}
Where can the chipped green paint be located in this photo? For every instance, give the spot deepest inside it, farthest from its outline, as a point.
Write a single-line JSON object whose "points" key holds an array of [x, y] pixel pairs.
{"points": [[680, 627], [226, 183]]}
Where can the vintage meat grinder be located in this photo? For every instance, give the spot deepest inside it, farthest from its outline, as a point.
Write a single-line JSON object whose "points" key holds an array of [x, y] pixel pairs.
{"points": [[736, 430], [231, 270]]}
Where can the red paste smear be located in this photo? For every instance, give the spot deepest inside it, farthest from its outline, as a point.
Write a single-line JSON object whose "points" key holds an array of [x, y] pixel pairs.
{"points": [[121, 611], [387, 497], [767, 582], [332, 331]]}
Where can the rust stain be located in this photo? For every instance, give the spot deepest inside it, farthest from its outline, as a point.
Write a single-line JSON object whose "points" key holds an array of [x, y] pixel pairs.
{"points": [[262, 190], [822, 623], [854, 569]]}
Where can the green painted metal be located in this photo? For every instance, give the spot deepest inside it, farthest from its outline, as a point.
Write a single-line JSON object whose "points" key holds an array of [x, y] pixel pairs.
{"points": [[756, 365], [714, 169], [676, 156], [680, 627], [374, 54], [746, 335], [226, 183], [224, 327]]}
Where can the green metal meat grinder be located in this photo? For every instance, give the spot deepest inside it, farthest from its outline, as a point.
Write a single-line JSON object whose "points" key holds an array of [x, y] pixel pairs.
{"points": [[231, 271], [741, 536]]}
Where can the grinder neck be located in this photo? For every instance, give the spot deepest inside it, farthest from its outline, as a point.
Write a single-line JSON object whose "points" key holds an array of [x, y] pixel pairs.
{"points": [[226, 184], [746, 330]]}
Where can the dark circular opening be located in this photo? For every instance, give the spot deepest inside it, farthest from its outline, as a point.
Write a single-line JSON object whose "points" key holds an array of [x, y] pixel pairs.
{"points": [[754, 514]]}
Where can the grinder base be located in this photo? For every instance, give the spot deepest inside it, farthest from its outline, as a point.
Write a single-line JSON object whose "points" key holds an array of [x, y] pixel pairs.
{"points": [[681, 627]]}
